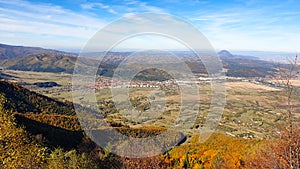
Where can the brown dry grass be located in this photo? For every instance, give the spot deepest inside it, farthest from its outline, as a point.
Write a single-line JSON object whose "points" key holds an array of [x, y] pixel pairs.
{"points": [[295, 82], [249, 86]]}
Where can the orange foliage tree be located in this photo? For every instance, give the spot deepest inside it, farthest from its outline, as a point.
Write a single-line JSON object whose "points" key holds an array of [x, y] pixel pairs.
{"points": [[285, 152]]}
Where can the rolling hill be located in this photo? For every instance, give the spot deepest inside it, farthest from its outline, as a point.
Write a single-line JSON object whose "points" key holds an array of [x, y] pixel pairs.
{"points": [[11, 52], [55, 61], [224, 55], [44, 62], [21, 100], [246, 66]]}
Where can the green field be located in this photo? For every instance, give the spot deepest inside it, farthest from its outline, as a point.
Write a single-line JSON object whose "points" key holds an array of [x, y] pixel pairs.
{"points": [[251, 110]]}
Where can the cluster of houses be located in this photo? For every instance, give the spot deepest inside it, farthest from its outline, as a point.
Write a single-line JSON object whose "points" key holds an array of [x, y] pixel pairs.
{"points": [[110, 83], [103, 83]]}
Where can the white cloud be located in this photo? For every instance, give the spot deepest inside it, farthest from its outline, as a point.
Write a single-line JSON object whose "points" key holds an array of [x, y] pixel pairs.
{"points": [[150, 8], [46, 20], [135, 6], [248, 29], [53, 26], [112, 11], [97, 5], [130, 2], [248, 26]]}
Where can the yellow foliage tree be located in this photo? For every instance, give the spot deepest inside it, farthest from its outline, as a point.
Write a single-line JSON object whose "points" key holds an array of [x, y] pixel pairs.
{"points": [[16, 149]]}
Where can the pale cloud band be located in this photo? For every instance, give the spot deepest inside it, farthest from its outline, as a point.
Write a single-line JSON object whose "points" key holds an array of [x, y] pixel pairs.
{"points": [[236, 25]]}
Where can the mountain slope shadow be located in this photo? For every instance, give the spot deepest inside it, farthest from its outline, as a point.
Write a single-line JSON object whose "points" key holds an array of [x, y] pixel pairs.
{"points": [[51, 136]]}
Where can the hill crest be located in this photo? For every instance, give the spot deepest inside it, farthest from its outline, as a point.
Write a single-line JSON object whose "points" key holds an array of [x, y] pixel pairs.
{"points": [[12, 52]]}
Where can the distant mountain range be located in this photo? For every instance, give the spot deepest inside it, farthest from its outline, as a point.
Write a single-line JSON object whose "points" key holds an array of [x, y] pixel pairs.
{"points": [[42, 62], [11, 52], [45, 60], [224, 54], [246, 66]]}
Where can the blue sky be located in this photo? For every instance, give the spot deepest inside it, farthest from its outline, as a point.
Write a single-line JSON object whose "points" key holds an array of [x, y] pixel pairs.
{"points": [[259, 25]]}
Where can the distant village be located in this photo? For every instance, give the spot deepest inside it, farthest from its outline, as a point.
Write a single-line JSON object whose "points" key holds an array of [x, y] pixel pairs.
{"points": [[104, 83]]}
